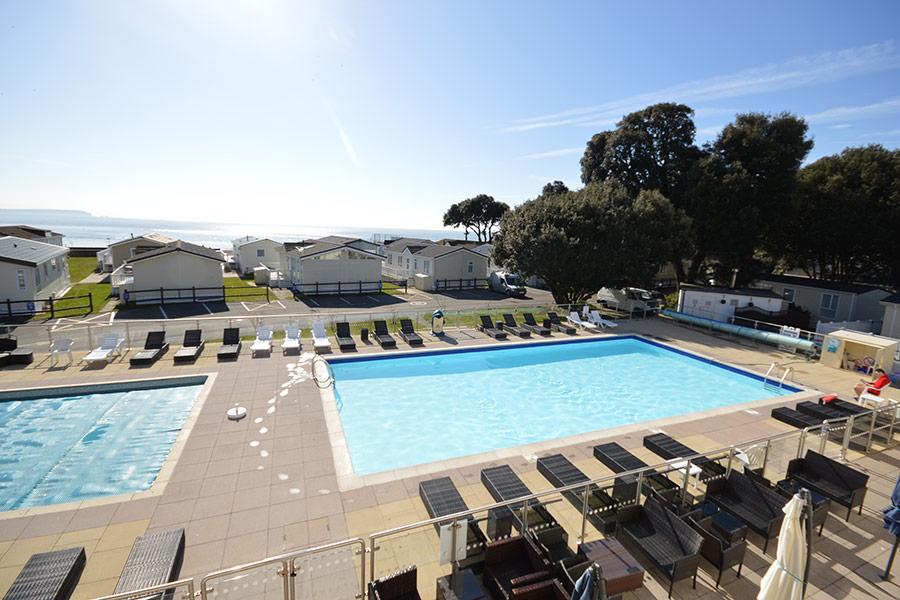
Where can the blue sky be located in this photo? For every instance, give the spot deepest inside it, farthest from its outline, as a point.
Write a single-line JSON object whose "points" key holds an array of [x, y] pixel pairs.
{"points": [[384, 113]]}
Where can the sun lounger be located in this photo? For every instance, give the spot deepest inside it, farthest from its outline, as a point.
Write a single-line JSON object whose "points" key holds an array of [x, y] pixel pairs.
{"points": [[154, 346], [596, 318], [848, 408], [344, 339], [557, 325], [408, 333], [48, 576], [560, 472], [291, 341], [533, 325], [510, 325], [440, 498], [749, 501], [110, 346], [487, 327], [263, 342], [191, 346], [401, 585], [61, 346], [231, 344], [670, 543], [503, 484], [576, 319], [381, 335], [822, 411], [665, 446], [619, 460], [795, 418], [320, 338], [155, 559], [841, 483]]}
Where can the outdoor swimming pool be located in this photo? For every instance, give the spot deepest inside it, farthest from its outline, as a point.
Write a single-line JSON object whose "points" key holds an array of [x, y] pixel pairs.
{"points": [[403, 411], [70, 445]]}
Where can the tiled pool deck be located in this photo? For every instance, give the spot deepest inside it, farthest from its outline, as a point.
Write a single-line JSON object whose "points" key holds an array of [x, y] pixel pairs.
{"points": [[268, 484]]}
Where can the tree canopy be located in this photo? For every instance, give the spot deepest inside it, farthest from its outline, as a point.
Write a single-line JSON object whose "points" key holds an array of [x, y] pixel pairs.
{"points": [[553, 188], [581, 241], [479, 215]]}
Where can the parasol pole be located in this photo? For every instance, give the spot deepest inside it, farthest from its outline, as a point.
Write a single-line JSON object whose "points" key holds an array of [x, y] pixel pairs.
{"points": [[808, 513], [887, 570]]}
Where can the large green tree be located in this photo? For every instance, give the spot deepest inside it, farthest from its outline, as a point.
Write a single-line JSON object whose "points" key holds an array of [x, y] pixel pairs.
{"points": [[479, 215], [601, 235], [844, 217]]}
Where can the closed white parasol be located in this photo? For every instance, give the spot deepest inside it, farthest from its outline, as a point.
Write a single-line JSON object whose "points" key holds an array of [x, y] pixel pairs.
{"points": [[784, 579]]}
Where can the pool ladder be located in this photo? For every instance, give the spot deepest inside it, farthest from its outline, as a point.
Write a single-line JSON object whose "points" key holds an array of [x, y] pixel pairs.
{"points": [[773, 372], [322, 382]]}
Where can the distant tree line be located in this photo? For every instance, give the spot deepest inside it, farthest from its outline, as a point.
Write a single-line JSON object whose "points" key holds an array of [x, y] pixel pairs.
{"points": [[741, 203]]}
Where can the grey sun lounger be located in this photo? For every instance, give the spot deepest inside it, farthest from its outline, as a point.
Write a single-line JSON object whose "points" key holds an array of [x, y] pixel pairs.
{"points": [[533, 325], [558, 325], [48, 575], [618, 459], [669, 448], [191, 347], [408, 333], [487, 327], [231, 344], [440, 498], [154, 346], [510, 325], [602, 507], [503, 485], [382, 336], [155, 559], [343, 337], [795, 418]]}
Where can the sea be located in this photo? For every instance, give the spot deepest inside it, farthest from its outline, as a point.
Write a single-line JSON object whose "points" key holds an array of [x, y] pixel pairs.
{"points": [[84, 229]]}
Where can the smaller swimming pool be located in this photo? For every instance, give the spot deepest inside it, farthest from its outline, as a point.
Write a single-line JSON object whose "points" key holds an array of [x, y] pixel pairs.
{"points": [[72, 444]]}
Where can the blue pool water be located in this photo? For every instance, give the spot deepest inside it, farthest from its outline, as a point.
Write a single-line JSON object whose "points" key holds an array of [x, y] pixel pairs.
{"points": [[69, 448], [404, 411]]}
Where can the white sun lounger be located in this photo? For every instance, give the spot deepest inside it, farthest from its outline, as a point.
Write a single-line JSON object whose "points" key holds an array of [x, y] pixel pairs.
{"points": [[595, 318], [320, 339], [110, 345], [576, 320], [263, 342], [291, 340]]}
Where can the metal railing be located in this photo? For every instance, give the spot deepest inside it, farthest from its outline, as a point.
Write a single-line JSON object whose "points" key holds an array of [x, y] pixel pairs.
{"points": [[182, 589]]}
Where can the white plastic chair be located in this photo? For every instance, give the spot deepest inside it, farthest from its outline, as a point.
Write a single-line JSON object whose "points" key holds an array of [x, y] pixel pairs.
{"points": [[61, 346], [291, 339], [263, 341], [320, 338]]}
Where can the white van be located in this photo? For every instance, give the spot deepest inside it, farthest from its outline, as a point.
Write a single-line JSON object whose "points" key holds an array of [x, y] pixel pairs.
{"points": [[628, 299], [508, 283]]}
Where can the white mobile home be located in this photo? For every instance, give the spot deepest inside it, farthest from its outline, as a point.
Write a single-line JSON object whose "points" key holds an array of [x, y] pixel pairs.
{"points": [[719, 303], [443, 263], [829, 300], [398, 263], [325, 267], [177, 272], [257, 252], [31, 270], [114, 256]]}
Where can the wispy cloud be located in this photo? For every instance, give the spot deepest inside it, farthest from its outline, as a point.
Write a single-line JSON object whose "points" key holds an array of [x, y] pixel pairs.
{"points": [[342, 133], [845, 113], [795, 73], [841, 126], [553, 153]]}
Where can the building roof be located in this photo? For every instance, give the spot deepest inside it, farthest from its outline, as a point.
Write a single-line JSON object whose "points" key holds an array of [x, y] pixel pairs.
{"points": [[153, 236], [822, 284], [439, 251], [404, 243], [29, 253], [179, 246], [253, 240], [318, 247], [892, 299], [456, 242], [27, 232], [754, 292], [340, 239]]}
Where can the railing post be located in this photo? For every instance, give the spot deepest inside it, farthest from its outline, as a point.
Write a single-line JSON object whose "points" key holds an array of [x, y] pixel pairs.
{"points": [[890, 435], [524, 517], [362, 570], [584, 511], [766, 456], [90, 337], [640, 483], [802, 442], [8, 308], [823, 437], [286, 578], [372, 549], [52, 309], [91, 302], [127, 335], [871, 431], [453, 535], [193, 293], [686, 481], [730, 459], [848, 432]]}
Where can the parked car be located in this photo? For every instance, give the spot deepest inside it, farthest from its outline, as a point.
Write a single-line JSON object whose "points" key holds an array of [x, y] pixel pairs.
{"points": [[628, 299], [508, 283]]}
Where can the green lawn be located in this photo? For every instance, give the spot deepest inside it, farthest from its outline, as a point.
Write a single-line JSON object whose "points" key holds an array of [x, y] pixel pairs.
{"points": [[66, 306], [80, 267], [237, 289]]}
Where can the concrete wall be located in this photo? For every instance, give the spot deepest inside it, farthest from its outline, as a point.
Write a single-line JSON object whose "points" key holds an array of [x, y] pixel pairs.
{"points": [[40, 282], [709, 305], [175, 270], [247, 257], [456, 266]]}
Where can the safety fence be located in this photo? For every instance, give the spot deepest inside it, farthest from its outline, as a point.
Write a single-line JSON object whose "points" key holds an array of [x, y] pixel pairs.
{"points": [[567, 515], [50, 307], [453, 285], [348, 287]]}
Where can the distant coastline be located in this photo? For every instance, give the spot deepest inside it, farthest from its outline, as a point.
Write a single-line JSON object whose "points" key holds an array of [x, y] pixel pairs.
{"points": [[81, 228]]}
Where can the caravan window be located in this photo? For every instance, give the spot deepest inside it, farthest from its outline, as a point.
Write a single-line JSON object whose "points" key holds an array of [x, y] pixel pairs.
{"points": [[427, 266], [260, 252], [788, 294], [20, 278], [471, 268], [829, 305]]}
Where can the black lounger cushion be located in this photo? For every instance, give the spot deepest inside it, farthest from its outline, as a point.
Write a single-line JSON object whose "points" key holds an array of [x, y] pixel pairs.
{"points": [[155, 559], [48, 576]]}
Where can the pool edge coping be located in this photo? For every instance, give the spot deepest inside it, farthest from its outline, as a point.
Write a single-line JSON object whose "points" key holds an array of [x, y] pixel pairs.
{"points": [[348, 479], [163, 476]]}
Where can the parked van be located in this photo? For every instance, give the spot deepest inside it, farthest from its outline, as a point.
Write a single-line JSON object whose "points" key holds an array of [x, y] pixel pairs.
{"points": [[628, 299], [508, 283]]}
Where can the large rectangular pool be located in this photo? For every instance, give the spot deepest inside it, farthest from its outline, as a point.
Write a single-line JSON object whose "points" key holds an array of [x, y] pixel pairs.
{"points": [[402, 411], [70, 445]]}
